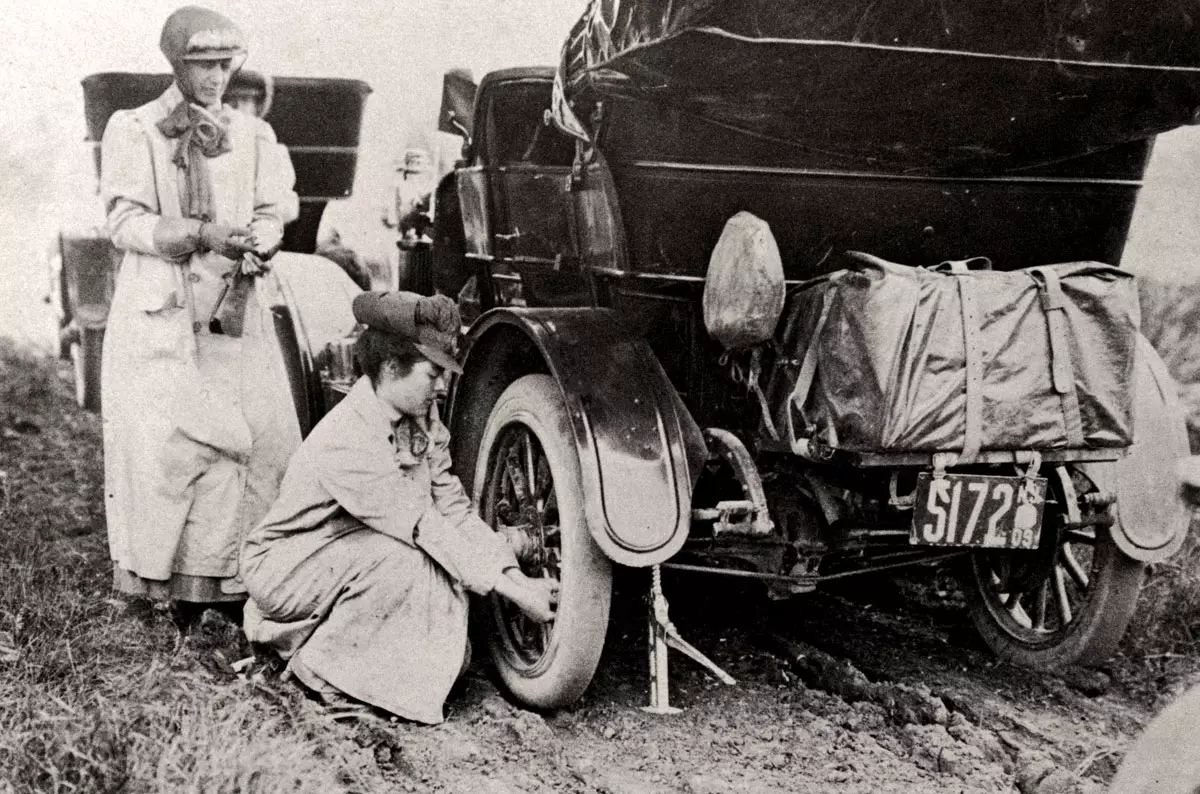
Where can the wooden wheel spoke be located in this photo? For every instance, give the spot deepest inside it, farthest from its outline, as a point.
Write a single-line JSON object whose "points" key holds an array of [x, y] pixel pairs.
{"points": [[1008, 600], [1004, 595], [1078, 575], [1061, 600], [530, 636], [552, 567], [1012, 604], [518, 621], [530, 467], [1084, 536], [995, 577], [545, 485], [1043, 603], [514, 471], [1019, 614]]}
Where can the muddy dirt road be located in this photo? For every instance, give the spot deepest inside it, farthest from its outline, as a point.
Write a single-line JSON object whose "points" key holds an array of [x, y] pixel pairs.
{"points": [[882, 688]]}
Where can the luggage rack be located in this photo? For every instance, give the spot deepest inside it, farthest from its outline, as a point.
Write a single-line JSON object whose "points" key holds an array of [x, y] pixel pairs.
{"points": [[823, 453]]}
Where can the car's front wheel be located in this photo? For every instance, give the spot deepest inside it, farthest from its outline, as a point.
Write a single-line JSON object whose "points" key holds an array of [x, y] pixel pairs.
{"points": [[528, 486]]}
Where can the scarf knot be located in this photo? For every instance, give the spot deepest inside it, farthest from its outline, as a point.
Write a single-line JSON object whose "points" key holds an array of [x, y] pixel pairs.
{"points": [[203, 132]]}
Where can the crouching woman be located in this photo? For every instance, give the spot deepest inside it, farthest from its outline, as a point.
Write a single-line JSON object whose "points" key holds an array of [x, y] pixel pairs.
{"points": [[359, 573]]}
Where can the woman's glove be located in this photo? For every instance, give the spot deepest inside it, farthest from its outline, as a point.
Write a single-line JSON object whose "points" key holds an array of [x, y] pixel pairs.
{"points": [[252, 265], [228, 241], [265, 251], [266, 237]]}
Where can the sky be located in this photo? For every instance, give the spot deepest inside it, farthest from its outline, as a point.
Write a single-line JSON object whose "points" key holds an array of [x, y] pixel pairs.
{"points": [[401, 48]]}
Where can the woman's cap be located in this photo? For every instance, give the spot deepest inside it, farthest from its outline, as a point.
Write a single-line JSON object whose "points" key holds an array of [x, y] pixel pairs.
{"points": [[431, 324]]}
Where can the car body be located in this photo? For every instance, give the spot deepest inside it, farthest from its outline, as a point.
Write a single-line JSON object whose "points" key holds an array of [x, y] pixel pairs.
{"points": [[579, 254]]}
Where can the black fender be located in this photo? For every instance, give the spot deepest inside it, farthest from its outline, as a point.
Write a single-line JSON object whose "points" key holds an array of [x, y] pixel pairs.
{"points": [[309, 297], [1152, 515], [639, 448]]}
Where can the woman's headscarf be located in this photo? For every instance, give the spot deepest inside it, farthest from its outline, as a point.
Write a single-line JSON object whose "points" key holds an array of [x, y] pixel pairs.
{"points": [[193, 33]]}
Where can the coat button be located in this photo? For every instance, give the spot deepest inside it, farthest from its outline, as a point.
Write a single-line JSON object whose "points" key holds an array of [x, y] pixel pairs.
{"points": [[196, 326], [194, 278]]}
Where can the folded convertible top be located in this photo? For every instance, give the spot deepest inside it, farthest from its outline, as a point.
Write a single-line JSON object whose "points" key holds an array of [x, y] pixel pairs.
{"points": [[896, 84]]}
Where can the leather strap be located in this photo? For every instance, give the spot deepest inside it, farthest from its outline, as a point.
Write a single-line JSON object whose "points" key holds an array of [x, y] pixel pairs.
{"points": [[1062, 368], [753, 385], [229, 315], [973, 429], [963, 265], [189, 294], [808, 371]]}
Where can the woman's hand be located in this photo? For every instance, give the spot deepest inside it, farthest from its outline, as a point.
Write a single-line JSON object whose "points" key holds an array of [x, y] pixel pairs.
{"points": [[228, 241], [537, 598], [252, 265], [263, 248]]}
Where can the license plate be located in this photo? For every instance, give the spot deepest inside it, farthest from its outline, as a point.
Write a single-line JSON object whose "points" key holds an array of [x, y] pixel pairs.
{"points": [[978, 510]]}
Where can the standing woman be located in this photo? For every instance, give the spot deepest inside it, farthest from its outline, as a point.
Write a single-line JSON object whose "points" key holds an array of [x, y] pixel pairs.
{"points": [[197, 419]]}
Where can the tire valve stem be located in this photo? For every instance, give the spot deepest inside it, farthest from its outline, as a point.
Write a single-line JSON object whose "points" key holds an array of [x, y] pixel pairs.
{"points": [[663, 634]]}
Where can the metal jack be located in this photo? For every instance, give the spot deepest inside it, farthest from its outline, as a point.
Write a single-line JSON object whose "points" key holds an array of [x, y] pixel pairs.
{"points": [[663, 634]]}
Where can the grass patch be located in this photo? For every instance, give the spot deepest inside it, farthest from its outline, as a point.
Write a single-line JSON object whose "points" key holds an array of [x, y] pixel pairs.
{"points": [[94, 696], [1160, 650], [25, 379], [176, 732]]}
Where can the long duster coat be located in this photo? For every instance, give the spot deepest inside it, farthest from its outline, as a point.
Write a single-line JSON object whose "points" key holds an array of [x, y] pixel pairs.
{"points": [[359, 574], [198, 427]]}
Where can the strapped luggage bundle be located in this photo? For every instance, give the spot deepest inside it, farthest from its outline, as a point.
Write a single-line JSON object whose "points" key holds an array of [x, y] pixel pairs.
{"points": [[881, 357]]}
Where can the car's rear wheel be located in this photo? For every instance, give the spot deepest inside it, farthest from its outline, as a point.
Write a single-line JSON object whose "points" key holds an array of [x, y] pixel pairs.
{"points": [[1068, 602], [528, 486]]}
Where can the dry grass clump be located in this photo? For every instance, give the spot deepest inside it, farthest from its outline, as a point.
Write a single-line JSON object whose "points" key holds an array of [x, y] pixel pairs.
{"points": [[94, 697], [23, 380], [195, 737], [174, 731], [1162, 647]]}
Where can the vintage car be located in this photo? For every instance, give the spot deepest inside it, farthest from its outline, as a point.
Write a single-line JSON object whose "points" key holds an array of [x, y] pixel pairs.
{"points": [[318, 119], [598, 421]]}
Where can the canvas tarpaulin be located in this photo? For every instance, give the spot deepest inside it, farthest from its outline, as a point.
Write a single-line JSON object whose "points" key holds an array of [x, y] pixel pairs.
{"points": [[894, 358]]}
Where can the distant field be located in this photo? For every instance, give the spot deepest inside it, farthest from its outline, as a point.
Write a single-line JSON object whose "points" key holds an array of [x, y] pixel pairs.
{"points": [[1164, 239]]}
